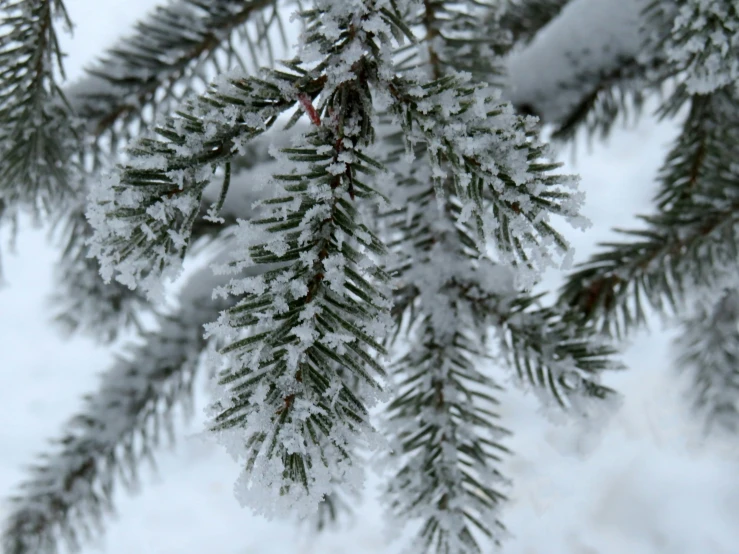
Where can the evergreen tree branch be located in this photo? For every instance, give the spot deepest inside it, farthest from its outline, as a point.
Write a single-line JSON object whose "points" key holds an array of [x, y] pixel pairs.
{"points": [[313, 323], [496, 166], [82, 300], [576, 85], [443, 418], [444, 422], [38, 145], [448, 295], [702, 44], [69, 490], [617, 92], [85, 303], [170, 51], [696, 164], [459, 36], [690, 240], [302, 341], [156, 198], [675, 252], [707, 347], [564, 361]]}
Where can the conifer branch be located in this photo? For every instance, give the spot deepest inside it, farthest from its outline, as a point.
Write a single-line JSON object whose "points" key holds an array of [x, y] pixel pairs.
{"points": [[305, 330], [596, 83], [605, 97], [70, 490], [702, 44], [82, 300], [549, 353], [689, 242], [174, 48], [156, 198], [38, 145], [496, 166], [443, 418], [313, 323], [303, 340], [444, 422], [448, 295], [459, 36], [695, 164], [707, 347], [675, 252]]}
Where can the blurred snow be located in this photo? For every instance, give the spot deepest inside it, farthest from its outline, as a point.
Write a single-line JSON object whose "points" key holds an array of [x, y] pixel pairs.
{"points": [[569, 50], [647, 484]]}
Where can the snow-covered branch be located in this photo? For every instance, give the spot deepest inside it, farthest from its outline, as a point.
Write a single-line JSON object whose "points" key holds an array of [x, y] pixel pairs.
{"points": [[70, 490]]}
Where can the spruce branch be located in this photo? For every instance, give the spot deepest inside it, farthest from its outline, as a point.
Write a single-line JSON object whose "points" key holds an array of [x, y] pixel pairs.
{"points": [[562, 360], [173, 49], [453, 180], [703, 44], [496, 166], [689, 242], [707, 350], [314, 324], [143, 219], [696, 164], [83, 302], [442, 418], [302, 342], [604, 97], [595, 82], [458, 36], [69, 491], [38, 145], [674, 253]]}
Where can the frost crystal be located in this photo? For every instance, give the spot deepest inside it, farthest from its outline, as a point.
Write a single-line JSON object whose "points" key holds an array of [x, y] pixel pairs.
{"points": [[704, 42]]}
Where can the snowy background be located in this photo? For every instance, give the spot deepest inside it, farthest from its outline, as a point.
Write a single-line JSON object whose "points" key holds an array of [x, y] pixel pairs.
{"points": [[648, 483]]}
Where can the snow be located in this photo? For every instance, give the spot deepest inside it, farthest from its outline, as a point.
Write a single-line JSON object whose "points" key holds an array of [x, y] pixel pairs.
{"points": [[610, 28], [647, 484]]}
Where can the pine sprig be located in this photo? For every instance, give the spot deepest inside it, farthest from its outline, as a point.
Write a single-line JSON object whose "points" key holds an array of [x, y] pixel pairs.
{"points": [[172, 52], [674, 253], [689, 242], [447, 297], [38, 145], [143, 219], [562, 360], [493, 162], [314, 324], [83, 302], [305, 331], [70, 490], [696, 164], [703, 44], [707, 350], [459, 36], [443, 420], [600, 82], [605, 97]]}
